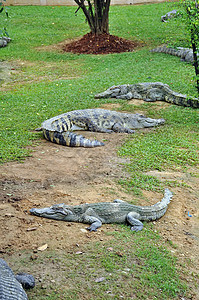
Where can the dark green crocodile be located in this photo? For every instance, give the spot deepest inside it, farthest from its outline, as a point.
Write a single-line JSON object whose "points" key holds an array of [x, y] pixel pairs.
{"points": [[59, 129], [150, 92], [106, 212]]}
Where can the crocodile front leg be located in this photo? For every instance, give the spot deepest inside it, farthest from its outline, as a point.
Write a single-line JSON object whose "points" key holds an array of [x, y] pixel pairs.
{"points": [[95, 128], [117, 127], [90, 217], [132, 219], [95, 223]]}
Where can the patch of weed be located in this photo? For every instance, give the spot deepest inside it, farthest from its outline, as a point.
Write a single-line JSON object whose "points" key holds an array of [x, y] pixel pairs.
{"points": [[166, 148], [145, 269]]}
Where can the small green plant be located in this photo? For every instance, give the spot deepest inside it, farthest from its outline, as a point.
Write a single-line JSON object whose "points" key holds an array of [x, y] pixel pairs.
{"points": [[191, 8]]}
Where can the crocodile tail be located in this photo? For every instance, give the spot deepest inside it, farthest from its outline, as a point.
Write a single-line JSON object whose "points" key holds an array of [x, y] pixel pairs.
{"points": [[182, 100], [160, 207], [70, 139], [156, 211], [165, 200], [191, 103], [165, 49]]}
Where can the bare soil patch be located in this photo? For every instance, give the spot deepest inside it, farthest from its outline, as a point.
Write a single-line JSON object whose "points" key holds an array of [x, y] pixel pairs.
{"points": [[57, 174]]}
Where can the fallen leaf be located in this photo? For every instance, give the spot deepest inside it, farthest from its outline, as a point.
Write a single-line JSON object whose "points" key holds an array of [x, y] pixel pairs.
{"points": [[110, 249], [43, 247], [100, 279]]}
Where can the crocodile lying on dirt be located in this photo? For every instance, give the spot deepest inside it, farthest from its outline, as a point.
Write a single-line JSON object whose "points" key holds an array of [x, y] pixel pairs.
{"points": [[150, 92], [59, 129], [106, 212], [11, 286], [186, 54]]}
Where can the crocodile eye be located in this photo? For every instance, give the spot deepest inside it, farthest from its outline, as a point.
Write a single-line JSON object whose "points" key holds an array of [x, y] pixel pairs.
{"points": [[62, 211], [65, 212]]}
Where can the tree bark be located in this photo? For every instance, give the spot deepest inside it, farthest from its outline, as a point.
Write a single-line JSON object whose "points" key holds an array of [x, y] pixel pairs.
{"points": [[96, 15]]}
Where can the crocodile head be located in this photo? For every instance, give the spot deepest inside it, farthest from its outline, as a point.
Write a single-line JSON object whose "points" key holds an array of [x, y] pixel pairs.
{"points": [[148, 122], [57, 212]]}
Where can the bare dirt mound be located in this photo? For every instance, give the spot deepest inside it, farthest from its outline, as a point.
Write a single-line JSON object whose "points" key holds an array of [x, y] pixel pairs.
{"points": [[101, 44]]}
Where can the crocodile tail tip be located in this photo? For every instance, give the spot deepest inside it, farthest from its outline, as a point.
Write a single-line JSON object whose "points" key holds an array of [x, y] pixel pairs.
{"points": [[80, 141], [92, 144], [168, 195]]}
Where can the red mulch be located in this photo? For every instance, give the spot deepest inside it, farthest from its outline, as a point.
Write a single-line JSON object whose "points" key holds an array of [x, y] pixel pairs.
{"points": [[101, 44]]}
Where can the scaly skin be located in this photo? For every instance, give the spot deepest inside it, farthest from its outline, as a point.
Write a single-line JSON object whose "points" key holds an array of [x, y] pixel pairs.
{"points": [[106, 212], [169, 15], [10, 288], [185, 54], [59, 129], [149, 92]]}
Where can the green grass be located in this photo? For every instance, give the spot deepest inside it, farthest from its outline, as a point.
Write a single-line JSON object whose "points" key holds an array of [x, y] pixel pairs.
{"points": [[49, 82], [172, 147], [130, 265]]}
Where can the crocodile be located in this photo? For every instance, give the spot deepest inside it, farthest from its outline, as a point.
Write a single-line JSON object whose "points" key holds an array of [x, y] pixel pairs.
{"points": [[150, 92], [169, 15], [186, 54], [4, 41], [97, 214], [59, 129], [11, 286]]}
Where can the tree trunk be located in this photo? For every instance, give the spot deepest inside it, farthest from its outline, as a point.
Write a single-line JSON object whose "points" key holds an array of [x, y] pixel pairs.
{"points": [[96, 14]]}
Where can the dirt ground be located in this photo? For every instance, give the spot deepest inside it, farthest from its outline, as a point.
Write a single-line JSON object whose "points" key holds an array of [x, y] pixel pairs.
{"points": [[57, 174]]}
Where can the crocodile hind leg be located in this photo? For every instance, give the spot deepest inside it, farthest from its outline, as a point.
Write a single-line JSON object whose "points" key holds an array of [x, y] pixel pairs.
{"points": [[132, 219], [93, 126]]}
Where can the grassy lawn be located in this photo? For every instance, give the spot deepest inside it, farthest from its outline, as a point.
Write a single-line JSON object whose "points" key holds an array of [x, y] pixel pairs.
{"points": [[49, 83]]}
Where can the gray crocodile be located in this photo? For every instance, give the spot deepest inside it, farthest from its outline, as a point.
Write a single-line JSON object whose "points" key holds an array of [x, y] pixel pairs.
{"points": [[11, 286], [4, 41], [59, 129], [169, 15], [186, 54], [150, 92], [106, 212]]}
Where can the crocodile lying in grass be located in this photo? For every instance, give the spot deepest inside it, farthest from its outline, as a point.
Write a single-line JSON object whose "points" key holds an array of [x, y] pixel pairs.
{"points": [[186, 54], [169, 15], [59, 129], [150, 92], [4, 40], [11, 286], [106, 212]]}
